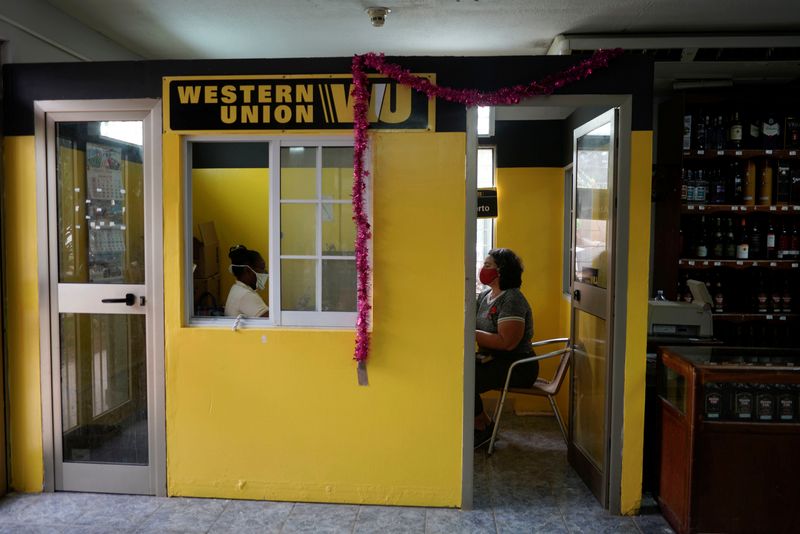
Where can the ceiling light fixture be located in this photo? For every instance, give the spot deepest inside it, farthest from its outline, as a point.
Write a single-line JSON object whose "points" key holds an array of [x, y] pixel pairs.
{"points": [[377, 15]]}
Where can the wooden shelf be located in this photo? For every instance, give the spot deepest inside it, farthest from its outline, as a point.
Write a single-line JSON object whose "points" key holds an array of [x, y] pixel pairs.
{"points": [[751, 317], [702, 209], [742, 153], [704, 263]]}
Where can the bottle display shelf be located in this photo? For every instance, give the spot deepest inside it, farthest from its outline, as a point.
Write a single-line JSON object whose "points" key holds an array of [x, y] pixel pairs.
{"points": [[698, 208], [750, 317], [706, 263], [788, 153]]}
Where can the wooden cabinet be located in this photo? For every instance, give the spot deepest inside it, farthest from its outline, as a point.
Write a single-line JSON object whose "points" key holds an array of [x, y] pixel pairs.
{"points": [[723, 469]]}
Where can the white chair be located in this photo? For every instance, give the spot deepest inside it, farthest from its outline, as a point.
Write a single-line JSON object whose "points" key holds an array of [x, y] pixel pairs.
{"points": [[540, 388]]}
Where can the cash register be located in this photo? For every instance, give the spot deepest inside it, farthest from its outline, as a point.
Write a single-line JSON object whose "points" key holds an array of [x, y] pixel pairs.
{"points": [[668, 320]]}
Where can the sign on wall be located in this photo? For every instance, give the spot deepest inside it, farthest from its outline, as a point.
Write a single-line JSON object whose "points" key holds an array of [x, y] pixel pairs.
{"points": [[312, 102], [487, 203]]}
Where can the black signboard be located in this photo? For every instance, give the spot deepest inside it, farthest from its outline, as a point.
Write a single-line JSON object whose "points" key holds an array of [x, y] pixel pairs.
{"points": [[487, 203], [321, 102]]}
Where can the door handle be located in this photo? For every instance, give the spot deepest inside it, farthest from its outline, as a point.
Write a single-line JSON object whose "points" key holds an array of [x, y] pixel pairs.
{"points": [[129, 300], [577, 295]]}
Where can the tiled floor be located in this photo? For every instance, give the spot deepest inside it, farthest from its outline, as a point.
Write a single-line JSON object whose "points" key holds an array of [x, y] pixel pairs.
{"points": [[525, 486]]}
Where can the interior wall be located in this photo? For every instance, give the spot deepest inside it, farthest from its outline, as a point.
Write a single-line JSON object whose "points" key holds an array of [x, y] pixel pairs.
{"points": [[276, 413], [530, 221]]}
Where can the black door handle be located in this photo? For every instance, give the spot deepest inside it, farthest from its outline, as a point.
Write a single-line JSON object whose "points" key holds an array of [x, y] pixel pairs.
{"points": [[577, 295], [129, 300]]}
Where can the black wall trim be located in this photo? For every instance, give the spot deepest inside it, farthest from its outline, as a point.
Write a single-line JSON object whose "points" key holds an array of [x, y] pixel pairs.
{"points": [[236, 155], [529, 143], [24, 83]]}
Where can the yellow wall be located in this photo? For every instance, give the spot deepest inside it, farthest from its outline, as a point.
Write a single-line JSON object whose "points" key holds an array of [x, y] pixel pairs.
{"points": [[636, 339], [237, 200], [530, 219], [22, 315], [277, 413]]}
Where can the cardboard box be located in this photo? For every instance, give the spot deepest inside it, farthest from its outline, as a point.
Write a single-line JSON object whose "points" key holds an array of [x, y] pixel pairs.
{"points": [[206, 251]]}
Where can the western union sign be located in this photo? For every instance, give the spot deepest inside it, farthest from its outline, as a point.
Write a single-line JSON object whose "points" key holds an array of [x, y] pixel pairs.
{"points": [[313, 102]]}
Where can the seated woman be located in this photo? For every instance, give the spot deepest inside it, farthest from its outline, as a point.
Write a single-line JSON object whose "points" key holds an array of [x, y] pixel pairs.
{"points": [[249, 269], [504, 329]]}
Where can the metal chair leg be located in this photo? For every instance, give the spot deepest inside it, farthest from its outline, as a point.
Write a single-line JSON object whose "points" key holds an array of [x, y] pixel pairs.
{"points": [[497, 413], [558, 418]]}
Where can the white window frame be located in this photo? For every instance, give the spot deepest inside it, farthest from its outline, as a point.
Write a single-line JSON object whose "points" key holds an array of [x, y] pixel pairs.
{"points": [[277, 317]]}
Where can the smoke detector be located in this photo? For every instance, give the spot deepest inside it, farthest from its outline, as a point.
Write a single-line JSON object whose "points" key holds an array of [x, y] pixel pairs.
{"points": [[377, 15]]}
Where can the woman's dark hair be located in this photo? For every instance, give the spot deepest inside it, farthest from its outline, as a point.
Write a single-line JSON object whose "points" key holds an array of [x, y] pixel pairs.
{"points": [[241, 255], [509, 266]]}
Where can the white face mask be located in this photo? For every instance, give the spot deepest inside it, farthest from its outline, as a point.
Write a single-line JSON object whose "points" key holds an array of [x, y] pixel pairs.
{"points": [[261, 278]]}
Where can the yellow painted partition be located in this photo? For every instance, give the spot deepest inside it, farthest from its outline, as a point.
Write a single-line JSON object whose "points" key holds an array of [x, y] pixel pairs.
{"points": [[636, 339], [276, 413], [530, 221], [22, 315]]}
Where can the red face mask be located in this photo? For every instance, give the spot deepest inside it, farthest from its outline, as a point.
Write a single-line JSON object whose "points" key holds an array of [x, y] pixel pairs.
{"points": [[487, 275]]}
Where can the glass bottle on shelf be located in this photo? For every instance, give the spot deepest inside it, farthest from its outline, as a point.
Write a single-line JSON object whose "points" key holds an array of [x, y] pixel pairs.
{"points": [[719, 136], [699, 132], [735, 132], [717, 243], [737, 183], [775, 296], [755, 241], [701, 245], [730, 240], [684, 186], [701, 187], [691, 186], [783, 184], [749, 185], [794, 242], [765, 185], [743, 243], [784, 242], [771, 241], [719, 297], [786, 296], [752, 132], [761, 300], [771, 131], [708, 141]]}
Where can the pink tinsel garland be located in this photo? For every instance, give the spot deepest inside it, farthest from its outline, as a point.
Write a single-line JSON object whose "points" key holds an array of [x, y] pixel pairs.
{"points": [[468, 97]]}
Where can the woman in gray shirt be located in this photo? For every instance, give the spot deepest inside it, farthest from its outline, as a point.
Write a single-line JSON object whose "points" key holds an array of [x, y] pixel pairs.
{"points": [[504, 330]]}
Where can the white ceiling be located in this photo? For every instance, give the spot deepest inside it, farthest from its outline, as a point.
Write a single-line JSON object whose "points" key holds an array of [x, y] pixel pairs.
{"points": [[208, 29]]}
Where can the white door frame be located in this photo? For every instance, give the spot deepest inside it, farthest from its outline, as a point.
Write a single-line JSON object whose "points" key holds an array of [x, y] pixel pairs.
{"points": [[149, 111]]}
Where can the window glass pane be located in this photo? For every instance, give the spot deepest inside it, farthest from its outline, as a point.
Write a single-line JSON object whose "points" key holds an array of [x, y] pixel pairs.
{"points": [[483, 245], [230, 206], [298, 285], [298, 229], [100, 188], [338, 230], [299, 173], [337, 173], [485, 167], [484, 121], [339, 285]]}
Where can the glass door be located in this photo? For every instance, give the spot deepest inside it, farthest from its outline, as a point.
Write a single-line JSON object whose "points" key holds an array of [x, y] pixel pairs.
{"points": [[592, 289], [105, 436]]}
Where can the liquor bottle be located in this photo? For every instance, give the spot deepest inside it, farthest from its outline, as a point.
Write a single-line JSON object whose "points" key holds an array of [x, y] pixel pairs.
{"points": [[761, 300], [792, 132], [684, 186], [720, 189], [787, 402], [691, 186], [737, 183], [687, 131], [752, 132], [749, 186], [730, 241], [765, 185], [771, 241], [708, 141], [743, 243], [786, 296], [712, 401], [719, 297], [784, 242], [701, 245], [717, 243], [783, 184], [700, 133], [701, 190], [755, 241], [765, 402], [794, 195], [735, 132], [794, 242], [771, 131], [720, 133], [742, 401], [775, 297]]}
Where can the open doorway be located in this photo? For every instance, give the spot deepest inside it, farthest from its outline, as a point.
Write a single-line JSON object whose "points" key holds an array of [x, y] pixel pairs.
{"points": [[560, 164]]}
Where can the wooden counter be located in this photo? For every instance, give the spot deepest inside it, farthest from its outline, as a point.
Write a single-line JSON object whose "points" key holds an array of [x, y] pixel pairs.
{"points": [[719, 473]]}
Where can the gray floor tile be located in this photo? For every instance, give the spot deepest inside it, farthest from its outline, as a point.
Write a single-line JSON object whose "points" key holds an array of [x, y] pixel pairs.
{"points": [[545, 520], [321, 518], [181, 515], [51, 509], [653, 524], [244, 517], [390, 520], [123, 512], [448, 521], [599, 523], [12, 505]]}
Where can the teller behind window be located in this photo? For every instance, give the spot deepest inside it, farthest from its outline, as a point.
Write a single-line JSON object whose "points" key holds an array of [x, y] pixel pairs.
{"points": [[249, 269]]}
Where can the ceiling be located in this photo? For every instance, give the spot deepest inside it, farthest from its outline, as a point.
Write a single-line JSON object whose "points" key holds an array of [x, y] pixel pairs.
{"points": [[210, 29]]}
